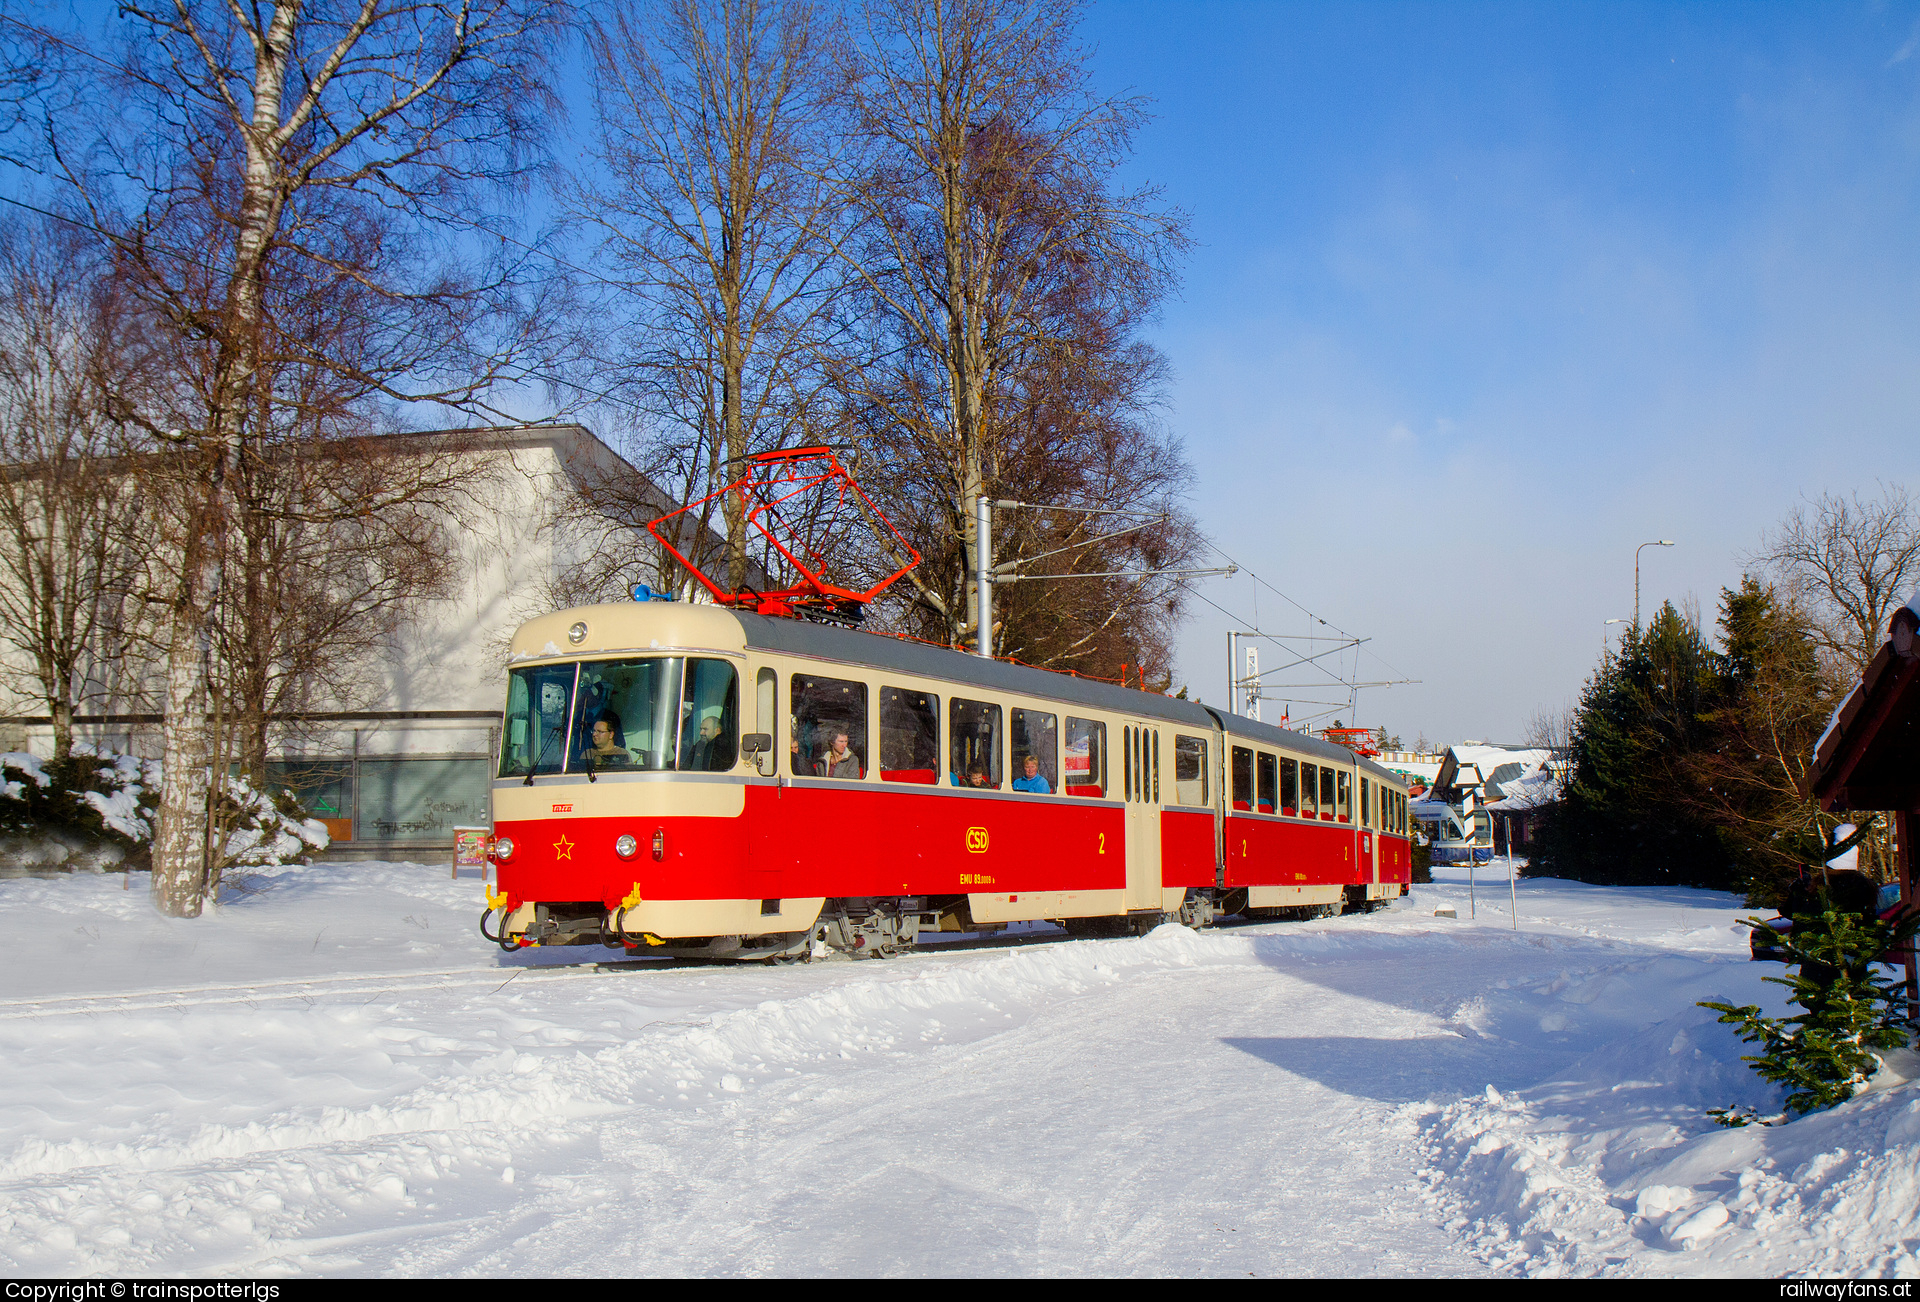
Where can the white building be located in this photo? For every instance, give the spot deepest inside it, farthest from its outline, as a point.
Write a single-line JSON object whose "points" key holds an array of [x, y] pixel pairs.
{"points": [[395, 775]]}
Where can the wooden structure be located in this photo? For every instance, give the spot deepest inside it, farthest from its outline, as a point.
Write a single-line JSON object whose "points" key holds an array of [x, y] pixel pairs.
{"points": [[1869, 757]]}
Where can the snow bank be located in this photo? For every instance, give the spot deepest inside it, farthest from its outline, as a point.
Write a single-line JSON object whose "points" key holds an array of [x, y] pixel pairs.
{"points": [[335, 1075], [1615, 1168]]}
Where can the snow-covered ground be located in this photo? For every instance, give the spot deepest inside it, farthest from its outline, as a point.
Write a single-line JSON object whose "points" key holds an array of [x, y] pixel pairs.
{"points": [[334, 1074]]}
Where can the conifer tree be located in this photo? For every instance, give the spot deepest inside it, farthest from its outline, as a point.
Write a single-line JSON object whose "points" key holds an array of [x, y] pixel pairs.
{"points": [[1824, 1054]]}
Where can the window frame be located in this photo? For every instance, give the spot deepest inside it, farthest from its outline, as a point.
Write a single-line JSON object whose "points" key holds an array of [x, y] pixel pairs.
{"points": [[860, 746], [1097, 774], [996, 764], [904, 695], [1049, 762], [1178, 781]]}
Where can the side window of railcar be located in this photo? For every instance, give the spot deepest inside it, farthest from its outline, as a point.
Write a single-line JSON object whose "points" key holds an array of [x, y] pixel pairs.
{"points": [[1242, 778], [1343, 801], [709, 717], [626, 715], [974, 727], [1085, 766], [1309, 791], [1036, 740], [1289, 786], [535, 736], [1153, 768], [1366, 808], [1268, 769], [909, 736], [1326, 794], [1189, 770], [829, 727]]}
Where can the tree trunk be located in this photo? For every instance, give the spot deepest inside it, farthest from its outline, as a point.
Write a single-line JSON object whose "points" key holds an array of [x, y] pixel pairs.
{"points": [[183, 866], [62, 729], [180, 842]]}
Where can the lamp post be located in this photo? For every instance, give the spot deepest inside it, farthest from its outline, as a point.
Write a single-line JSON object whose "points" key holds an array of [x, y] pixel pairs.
{"points": [[1603, 633], [1664, 542]]}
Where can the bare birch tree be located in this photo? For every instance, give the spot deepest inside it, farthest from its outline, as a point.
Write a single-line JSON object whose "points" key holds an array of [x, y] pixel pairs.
{"points": [[319, 159], [715, 210], [70, 515], [989, 213]]}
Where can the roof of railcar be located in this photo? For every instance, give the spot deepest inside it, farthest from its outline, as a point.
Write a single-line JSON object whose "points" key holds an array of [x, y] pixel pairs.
{"points": [[1254, 730], [881, 652], [878, 651]]}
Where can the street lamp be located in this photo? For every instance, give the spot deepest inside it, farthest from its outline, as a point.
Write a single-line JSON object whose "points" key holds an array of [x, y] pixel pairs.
{"points": [[1664, 542], [1603, 633]]}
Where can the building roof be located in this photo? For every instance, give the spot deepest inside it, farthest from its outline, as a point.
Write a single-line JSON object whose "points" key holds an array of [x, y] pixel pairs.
{"points": [[1869, 756]]}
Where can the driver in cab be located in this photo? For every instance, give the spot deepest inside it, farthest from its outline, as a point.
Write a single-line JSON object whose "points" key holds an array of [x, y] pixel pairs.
{"points": [[604, 751]]}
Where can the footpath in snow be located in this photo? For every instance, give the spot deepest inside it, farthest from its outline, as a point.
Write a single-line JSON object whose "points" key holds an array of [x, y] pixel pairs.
{"points": [[334, 1075]]}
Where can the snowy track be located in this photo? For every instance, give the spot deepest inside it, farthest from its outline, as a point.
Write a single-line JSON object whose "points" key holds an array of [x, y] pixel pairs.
{"points": [[1391, 1093]]}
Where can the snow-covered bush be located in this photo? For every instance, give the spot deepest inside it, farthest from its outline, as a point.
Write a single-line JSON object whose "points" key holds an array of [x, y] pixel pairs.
{"points": [[98, 812], [269, 830]]}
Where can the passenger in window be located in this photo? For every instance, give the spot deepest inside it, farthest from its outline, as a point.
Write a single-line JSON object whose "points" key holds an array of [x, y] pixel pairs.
{"points": [[1032, 778], [976, 777], [707, 753], [801, 765], [605, 749], [839, 762]]}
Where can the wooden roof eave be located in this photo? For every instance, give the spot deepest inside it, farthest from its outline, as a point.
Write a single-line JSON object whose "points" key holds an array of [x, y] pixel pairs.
{"points": [[1888, 679]]}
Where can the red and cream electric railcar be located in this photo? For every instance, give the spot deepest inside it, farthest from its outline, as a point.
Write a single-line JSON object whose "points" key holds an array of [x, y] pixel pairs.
{"points": [[689, 780]]}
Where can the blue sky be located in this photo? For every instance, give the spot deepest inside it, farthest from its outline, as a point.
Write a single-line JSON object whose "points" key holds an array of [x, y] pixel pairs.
{"points": [[1486, 295]]}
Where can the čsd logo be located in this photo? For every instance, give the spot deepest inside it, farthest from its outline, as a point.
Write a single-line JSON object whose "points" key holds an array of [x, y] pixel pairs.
{"points": [[976, 840]]}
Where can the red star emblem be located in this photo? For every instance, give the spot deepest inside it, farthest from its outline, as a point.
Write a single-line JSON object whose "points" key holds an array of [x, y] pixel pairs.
{"points": [[563, 848]]}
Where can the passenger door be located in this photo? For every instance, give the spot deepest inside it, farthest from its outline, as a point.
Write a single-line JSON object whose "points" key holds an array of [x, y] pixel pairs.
{"points": [[1140, 779]]}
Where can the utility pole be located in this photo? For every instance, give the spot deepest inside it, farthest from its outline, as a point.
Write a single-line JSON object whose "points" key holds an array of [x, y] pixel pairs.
{"points": [[983, 575], [1664, 542]]}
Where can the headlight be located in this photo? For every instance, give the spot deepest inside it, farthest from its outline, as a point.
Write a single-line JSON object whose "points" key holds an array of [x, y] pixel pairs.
{"points": [[626, 847], [502, 849]]}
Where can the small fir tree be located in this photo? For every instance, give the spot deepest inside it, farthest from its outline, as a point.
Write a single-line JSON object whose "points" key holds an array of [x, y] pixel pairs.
{"points": [[1825, 1053]]}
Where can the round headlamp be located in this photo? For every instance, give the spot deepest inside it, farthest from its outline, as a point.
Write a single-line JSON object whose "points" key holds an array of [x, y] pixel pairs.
{"points": [[626, 847], [502, 849]]}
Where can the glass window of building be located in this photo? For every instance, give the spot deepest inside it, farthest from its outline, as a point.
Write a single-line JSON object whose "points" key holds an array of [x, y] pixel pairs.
{"points": [[421, 799]]}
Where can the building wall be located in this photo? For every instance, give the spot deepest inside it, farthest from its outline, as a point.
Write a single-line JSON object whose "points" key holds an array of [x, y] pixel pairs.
{"points": [[410, 761]]}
